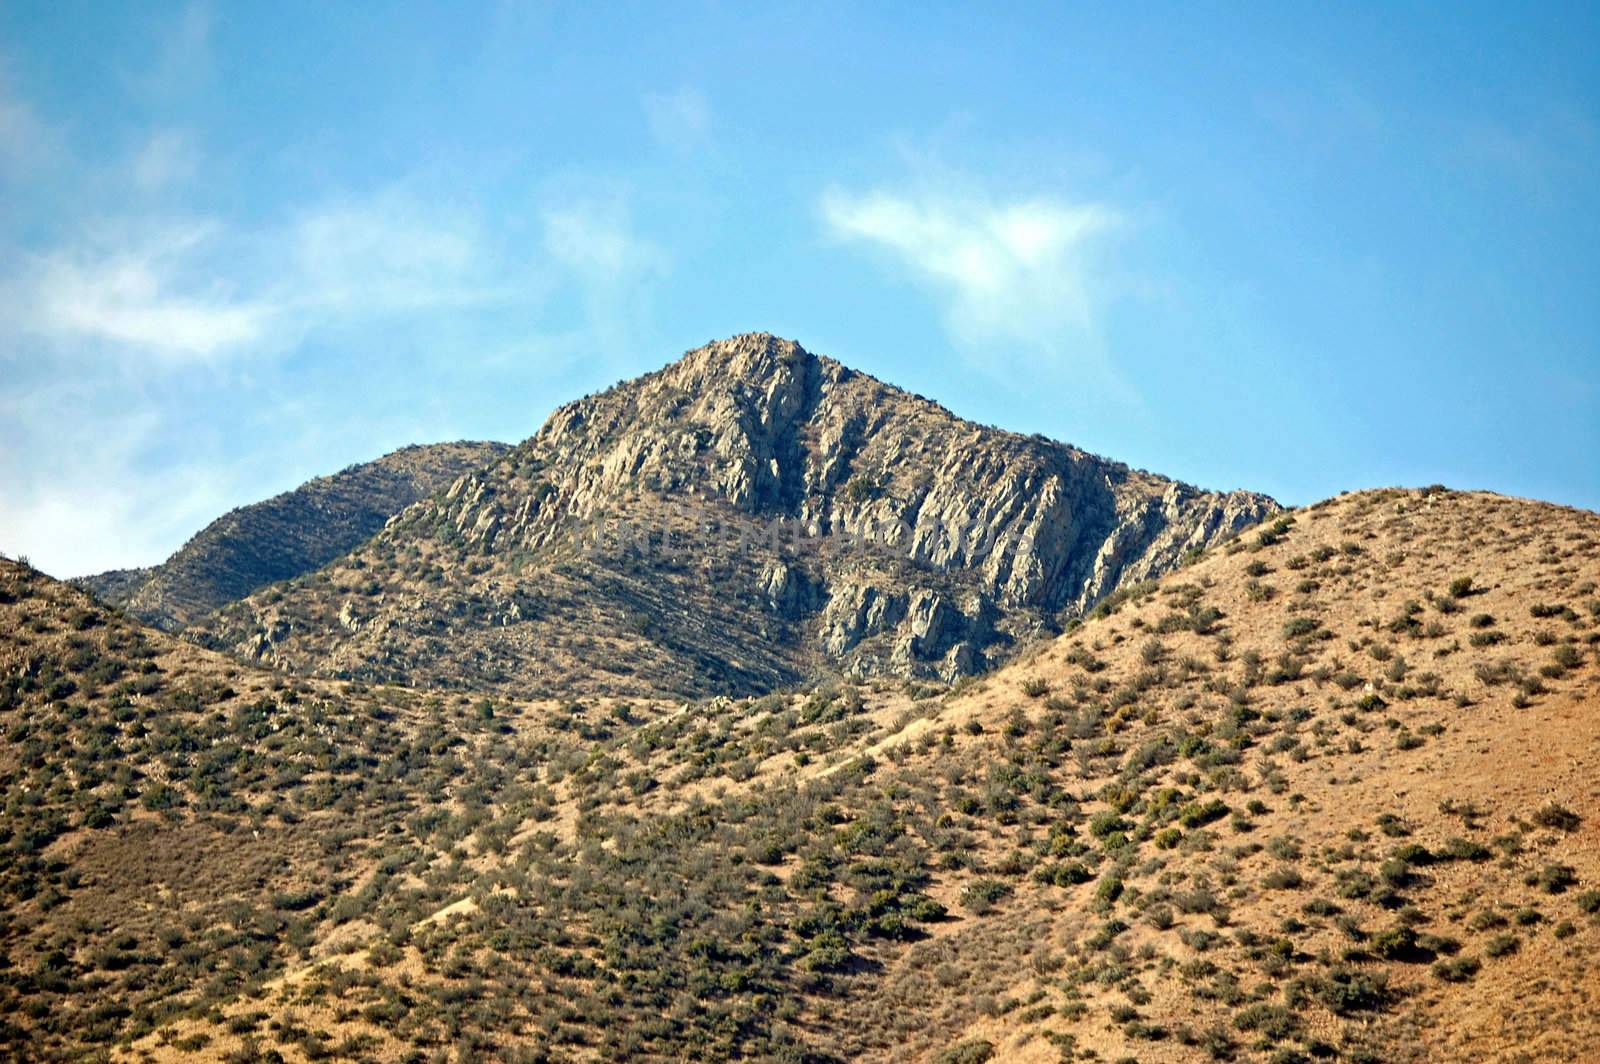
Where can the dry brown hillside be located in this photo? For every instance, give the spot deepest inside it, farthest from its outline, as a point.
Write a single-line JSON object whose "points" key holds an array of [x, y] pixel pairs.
{"points": [[1328, 792]]}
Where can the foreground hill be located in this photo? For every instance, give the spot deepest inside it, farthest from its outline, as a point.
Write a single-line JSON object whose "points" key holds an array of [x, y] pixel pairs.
{"points": [[752, 516], [1327, 792], [177, 827], [296, 532]]}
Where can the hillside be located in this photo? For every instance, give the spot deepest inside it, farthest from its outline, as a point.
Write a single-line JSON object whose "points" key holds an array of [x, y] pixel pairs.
{"points": [[1326, 792], [749, 518], [287, 535]]}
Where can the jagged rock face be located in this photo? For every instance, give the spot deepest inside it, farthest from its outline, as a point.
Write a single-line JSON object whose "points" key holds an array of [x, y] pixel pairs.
{"points": [[750, 516], [287, 535]]}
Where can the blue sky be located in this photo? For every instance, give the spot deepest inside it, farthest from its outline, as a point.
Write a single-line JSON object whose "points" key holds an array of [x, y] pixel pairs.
{"points": [[1291, 247]]}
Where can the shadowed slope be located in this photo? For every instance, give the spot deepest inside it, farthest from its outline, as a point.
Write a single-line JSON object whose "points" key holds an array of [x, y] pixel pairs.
{"points": [[296, 532]]}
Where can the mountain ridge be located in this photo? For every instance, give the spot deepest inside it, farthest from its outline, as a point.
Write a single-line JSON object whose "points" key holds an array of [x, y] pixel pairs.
{"points": [[966, 539], [291, 533]]}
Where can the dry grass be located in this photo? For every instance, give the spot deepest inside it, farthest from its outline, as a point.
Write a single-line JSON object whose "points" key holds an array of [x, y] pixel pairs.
{"points": [[1260, 808]]}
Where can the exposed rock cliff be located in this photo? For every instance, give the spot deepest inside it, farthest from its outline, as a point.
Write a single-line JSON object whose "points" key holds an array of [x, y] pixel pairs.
{"points": [[749, 516]]}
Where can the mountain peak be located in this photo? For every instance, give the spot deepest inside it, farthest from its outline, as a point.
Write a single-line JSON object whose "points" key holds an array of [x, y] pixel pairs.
{"points": [[748, 517], [756, 362]]}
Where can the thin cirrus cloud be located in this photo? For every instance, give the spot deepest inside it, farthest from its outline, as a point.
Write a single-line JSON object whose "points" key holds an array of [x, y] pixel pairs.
{"points": [[1006, 271], [24, 140], [595, 240], [395, 253], [132, 313], [182, 291], [88, 507], [144, 296], [167, 158], [679, 120]]}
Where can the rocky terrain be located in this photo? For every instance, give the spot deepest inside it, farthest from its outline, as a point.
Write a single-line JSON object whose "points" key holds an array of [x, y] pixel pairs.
{"points": [[287, 535], [749, 518], [1325, 792]]}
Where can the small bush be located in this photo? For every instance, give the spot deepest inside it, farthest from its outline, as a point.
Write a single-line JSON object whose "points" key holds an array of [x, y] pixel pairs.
{"points": [[1557, 817], [1272, 1021], [1456, 848], [981, 894], [1296, 627], [1501, 945], [1285, 877], [1396, 944], [1352, 990], [1456, 969], [1554, 878], [973, 1052]]}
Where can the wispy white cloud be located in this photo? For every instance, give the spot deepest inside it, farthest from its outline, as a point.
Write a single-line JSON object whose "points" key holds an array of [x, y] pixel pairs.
{"points": [[161, 336], [183, 58], [1007, 270], [84, 322], [595, 240], [88, 507], [146, 296], [593, 244], [25, 140], [679, 120], [168, 157], [395, 252], [1558, 149], [165, 294]]}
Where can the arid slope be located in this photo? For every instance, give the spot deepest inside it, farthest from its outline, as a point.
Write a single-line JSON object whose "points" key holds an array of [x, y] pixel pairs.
{"points": [[1327, 792]]}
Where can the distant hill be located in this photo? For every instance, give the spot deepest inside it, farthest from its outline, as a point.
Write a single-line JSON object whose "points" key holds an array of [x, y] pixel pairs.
{"points": [[1325, 793], [751, 517], [285, 536]]}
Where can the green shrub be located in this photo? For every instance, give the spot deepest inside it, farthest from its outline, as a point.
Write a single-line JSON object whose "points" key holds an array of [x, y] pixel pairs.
{"points": [[1352, 990], [1554, 878], [981, 894], [1271, 1021], [1395, 944], [973, 1052], [1501, 945], [1296, 627], [1284, 877], [829, 952], [1198, 814], [1456, 969], [1557, 817], [1456, 848]]}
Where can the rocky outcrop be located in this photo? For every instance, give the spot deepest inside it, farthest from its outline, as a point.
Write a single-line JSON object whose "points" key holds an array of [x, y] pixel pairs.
{"points": [[287, 535], [752, 514]]}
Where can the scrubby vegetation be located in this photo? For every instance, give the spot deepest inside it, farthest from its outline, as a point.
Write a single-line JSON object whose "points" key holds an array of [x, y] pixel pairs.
{"points": [[1232, 835]]}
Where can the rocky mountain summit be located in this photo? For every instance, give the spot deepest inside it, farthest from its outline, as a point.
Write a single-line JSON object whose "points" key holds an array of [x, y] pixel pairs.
{"points": [[749, 517], [287, 535]]}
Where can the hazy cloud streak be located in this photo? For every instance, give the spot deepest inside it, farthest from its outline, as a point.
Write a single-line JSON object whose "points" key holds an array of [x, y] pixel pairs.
{"points": [[1007, 271]]}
